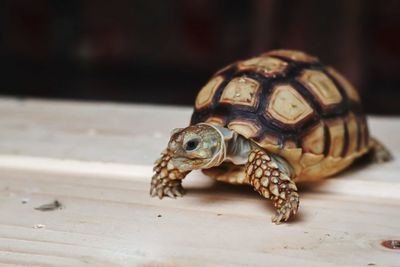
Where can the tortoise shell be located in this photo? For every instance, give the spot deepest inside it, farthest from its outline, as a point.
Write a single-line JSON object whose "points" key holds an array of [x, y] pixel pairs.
{"points": [[292, 105]]}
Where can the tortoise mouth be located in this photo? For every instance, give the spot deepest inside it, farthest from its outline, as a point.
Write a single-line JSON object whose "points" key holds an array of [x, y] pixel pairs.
{"points": [[188, 164]]}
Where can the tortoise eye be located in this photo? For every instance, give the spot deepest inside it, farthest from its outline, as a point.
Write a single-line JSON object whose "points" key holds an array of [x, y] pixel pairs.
{"points": [[192, 144]]}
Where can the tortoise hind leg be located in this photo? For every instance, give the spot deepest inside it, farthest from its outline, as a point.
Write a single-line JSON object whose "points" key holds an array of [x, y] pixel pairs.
{"points": [[273, 182], [379, 152]]}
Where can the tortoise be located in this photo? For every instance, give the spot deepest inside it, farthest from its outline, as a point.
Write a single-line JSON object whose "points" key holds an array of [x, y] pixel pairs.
{"points": [[270, 121]]}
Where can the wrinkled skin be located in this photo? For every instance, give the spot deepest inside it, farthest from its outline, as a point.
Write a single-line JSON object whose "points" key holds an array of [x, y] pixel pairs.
{"points": [[194, 147]]}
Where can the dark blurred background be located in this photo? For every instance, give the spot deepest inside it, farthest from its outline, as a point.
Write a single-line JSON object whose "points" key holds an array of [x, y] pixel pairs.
{"points": [[164, 51]]}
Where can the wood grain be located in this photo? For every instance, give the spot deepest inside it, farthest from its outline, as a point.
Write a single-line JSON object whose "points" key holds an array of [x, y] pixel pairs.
{"points": [[95, 158]]}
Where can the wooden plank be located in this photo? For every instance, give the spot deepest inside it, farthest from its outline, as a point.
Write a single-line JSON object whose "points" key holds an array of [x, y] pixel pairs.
{"points": [[95, 158], [89, 131], [113, 222]]}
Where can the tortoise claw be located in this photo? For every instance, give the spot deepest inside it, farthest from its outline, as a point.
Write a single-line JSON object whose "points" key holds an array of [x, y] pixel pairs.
{"points": [[284, 212], [160, 193], [153, 191], [168, 192], [162, 188], [178, 191]]}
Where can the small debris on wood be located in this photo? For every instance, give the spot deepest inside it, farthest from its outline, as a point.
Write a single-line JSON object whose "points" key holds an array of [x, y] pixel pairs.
{"points": [[24, 200], [371, 264], [392, 244], [159, 215], [39, 226], [219, 214], [50, 206]]}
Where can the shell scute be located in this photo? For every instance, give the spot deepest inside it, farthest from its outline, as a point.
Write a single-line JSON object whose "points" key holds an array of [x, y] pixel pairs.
{"points": [[241, 91], [206, 94], [267, 66], [247, 128], [287, 105], [322, 87]]}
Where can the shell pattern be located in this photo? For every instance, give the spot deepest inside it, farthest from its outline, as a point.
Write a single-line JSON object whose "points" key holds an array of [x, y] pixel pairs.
{"points": [[290, 104]]}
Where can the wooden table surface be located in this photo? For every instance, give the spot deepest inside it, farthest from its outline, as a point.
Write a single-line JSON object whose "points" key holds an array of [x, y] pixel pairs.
{"points": [[95, 159]]}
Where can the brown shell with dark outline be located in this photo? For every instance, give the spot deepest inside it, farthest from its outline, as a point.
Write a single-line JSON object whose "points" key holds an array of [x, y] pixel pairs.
{"points": [[291, 105]]}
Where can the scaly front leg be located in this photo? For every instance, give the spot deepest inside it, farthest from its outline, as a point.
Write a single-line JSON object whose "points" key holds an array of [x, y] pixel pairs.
{"points": [[167, 178], [272, 182]]}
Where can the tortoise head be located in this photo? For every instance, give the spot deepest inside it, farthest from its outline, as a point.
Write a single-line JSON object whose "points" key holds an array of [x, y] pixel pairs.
{"points": [[198, 146]]}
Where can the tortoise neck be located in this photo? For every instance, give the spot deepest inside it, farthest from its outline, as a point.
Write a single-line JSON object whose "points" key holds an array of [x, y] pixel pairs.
{"points": [[238, 149], [220, 155], [235, 147]]}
